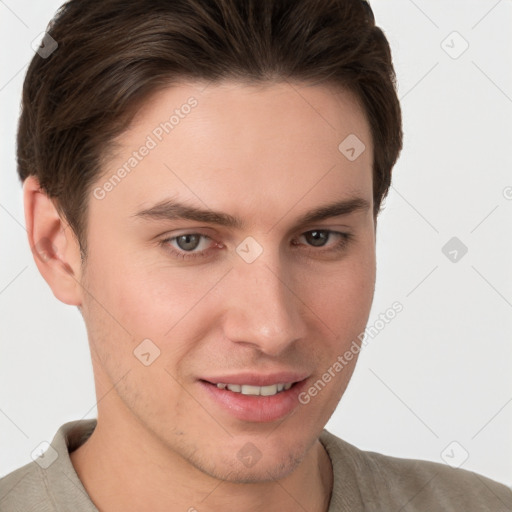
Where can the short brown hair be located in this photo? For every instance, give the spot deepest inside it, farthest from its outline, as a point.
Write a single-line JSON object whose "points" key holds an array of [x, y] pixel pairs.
{"points": [[112, 54]]}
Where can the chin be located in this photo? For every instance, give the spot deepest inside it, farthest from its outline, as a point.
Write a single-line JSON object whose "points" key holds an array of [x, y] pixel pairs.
{"points": [[274, 461], [271, 470]]}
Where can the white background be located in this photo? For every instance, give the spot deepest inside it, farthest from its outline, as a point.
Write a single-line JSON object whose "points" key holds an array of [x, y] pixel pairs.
{"points": [[441, 370]]}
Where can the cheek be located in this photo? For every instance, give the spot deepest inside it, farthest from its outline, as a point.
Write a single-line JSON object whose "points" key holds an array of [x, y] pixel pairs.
{"points": [[342, 296], [156, 301], [162, 299], [141, 294], [342, 301]]}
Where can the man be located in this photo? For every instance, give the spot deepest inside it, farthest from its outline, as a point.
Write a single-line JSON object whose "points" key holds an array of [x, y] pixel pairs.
{"points": [[202, 180]]}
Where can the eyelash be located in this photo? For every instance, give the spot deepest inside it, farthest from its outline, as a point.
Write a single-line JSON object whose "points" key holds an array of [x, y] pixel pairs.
{"points": [[345, 239]]}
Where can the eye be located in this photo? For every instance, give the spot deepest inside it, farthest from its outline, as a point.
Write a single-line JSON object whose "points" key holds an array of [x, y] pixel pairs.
{"points": [[186, 244], [320, 237], [317, 238]]}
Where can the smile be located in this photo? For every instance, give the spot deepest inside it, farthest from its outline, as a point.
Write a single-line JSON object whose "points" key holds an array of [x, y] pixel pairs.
{"points": [[247, 389]]}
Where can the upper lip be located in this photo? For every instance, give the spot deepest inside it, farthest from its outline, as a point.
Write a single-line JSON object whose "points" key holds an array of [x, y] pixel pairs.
{"points": [[256, 379]]}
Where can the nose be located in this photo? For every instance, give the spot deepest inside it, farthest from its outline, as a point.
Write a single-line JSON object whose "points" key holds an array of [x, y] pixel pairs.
{"points": [[264, 308]]}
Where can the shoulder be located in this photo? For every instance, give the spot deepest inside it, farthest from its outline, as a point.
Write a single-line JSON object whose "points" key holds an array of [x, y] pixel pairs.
{"points": [[49, 483], [415, 485], [25, 487]]}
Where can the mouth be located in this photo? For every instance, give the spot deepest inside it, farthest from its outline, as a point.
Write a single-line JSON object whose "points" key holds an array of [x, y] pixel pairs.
{"points": [[248, 389], [255, 399]]}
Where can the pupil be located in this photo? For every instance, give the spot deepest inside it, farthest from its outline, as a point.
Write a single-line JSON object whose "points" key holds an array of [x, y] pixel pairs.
{"points": [[191, 242], [318, 238]]}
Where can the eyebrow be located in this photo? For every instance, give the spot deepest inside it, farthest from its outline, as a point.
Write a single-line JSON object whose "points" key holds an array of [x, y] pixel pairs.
{"points": [[170, 209]]}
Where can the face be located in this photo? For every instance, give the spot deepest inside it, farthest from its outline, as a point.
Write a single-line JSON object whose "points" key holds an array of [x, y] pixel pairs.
{"points": [[189, 314]]}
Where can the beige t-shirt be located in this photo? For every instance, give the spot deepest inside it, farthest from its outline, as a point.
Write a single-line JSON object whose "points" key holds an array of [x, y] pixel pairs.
{"points": [[363, 481]]}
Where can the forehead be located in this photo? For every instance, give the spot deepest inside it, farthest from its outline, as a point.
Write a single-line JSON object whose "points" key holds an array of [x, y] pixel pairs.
{"points": [[231, 145]]}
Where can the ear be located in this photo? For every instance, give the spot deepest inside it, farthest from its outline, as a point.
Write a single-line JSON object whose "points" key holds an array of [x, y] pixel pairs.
{"points": [[54, 245]]}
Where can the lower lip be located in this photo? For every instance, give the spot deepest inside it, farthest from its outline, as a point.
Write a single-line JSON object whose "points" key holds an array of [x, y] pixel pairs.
{"points": [[255, 408]]}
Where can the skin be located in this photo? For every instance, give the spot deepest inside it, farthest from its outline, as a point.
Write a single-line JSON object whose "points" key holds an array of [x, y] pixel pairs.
{"points": [[266, 154]]}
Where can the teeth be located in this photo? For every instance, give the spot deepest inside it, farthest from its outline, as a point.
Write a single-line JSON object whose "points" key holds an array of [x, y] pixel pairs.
{"points": [[268, 390], [250, 390], [247, 389]]}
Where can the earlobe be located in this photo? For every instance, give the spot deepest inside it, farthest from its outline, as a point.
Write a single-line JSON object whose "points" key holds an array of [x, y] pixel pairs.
{"points": [[53, 244]]}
